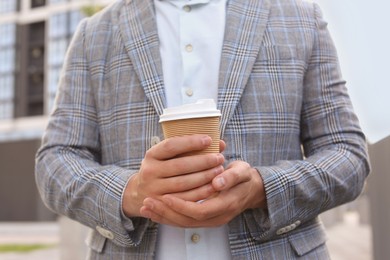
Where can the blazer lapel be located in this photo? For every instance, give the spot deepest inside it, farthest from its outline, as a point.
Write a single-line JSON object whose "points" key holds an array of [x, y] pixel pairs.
{"points": [[245, 24], [139, 31]]}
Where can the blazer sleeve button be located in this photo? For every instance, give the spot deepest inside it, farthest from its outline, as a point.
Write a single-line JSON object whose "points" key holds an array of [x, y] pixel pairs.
{"points": [[281, 231], [105, 232]]}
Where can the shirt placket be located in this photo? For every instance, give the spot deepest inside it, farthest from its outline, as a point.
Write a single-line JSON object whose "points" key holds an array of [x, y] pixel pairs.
{"points": [[195, 242], [189, 52]]}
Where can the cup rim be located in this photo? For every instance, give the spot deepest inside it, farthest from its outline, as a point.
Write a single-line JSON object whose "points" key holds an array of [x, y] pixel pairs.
{"points": [[202, 108]]}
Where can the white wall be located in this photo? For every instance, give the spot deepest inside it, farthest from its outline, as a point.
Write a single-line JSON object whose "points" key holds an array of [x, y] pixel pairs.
{"points": [[361, 31]]}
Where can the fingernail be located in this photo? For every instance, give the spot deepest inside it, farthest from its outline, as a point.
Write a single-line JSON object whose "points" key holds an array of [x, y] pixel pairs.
{"points": [[220, 158], [206, 140], [220, 182], [219, 170]]}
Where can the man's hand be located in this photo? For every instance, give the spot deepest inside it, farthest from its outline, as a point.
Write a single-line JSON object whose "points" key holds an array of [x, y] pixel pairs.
{"points": [[240, 187], [163, 171]]}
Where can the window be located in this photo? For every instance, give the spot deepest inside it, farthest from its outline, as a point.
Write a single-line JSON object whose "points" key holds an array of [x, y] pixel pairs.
{"points": [[8, 6], [30, 79], [37, 3], [61, 28], [57, 1], [7, 69]]}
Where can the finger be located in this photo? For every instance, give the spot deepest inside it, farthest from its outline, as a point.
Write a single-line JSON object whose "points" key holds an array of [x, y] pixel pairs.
{"points": [[202, 193], [222, 146], [178, 167], [183, 183], [172, 147], [159, 212], [236, 173], [191, 164], [200, 211]]}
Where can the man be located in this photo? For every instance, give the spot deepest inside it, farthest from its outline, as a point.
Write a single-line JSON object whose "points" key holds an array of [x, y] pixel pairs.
{"points": [[292, 144]]}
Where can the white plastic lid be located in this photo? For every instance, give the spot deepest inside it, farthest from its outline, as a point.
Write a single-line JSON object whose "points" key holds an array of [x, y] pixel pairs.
{"points": [[202, 108]]}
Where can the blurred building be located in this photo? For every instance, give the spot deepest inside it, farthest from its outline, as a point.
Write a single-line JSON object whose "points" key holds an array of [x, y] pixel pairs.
{"points": [[34, 36]]}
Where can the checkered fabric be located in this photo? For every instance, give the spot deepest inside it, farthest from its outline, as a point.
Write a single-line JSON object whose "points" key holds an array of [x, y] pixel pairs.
{"points": [[285, 110]]}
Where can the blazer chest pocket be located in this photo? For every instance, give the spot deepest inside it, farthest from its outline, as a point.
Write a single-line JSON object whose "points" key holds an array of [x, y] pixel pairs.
{"points": [[270, 53]]}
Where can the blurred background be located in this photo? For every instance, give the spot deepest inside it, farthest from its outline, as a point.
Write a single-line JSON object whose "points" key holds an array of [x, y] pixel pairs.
{"points": [[34, 35]]}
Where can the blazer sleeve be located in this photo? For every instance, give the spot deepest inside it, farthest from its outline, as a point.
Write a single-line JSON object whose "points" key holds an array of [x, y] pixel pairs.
{"points": [[70, 178], [336, 164]]}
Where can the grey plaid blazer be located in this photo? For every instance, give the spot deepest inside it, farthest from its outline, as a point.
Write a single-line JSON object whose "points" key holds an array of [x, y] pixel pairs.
{"points": [[285, 111]]}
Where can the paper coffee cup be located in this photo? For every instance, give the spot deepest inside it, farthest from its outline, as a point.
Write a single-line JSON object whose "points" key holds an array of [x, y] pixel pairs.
{"points": [[201, 117]]}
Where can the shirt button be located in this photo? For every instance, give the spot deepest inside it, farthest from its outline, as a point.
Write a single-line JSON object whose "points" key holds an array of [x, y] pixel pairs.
{"points": [[155, 140], [189, 92], [187, 8], [195, 238], [189, 48]]}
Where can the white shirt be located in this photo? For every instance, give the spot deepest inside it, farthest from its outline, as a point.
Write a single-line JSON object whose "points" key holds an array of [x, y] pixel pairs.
{"points": [[191, 37]]}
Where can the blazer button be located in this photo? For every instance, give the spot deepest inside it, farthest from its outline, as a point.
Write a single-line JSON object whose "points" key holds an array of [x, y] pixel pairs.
{"points": [[281, 231], [289, 228], [105, 232]]}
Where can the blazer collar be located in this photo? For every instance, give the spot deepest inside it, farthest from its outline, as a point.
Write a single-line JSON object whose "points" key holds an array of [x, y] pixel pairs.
{"points": [[245, 25]]}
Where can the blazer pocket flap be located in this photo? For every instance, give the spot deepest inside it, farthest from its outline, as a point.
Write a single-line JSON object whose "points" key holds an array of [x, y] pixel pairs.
{"points": [[308, 240], [95, 241]]}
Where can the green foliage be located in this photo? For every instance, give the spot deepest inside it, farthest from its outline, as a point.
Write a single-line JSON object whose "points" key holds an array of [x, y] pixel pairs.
{"points": [[22, 248]]}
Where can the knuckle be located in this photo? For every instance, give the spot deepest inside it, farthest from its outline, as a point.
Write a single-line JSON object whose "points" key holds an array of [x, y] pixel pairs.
{"points": [[149, 154], [168, 145], [146, 170], [235, 175]]}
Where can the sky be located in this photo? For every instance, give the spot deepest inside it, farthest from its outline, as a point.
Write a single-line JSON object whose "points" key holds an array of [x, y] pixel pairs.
{"points": [[360, 30]]}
